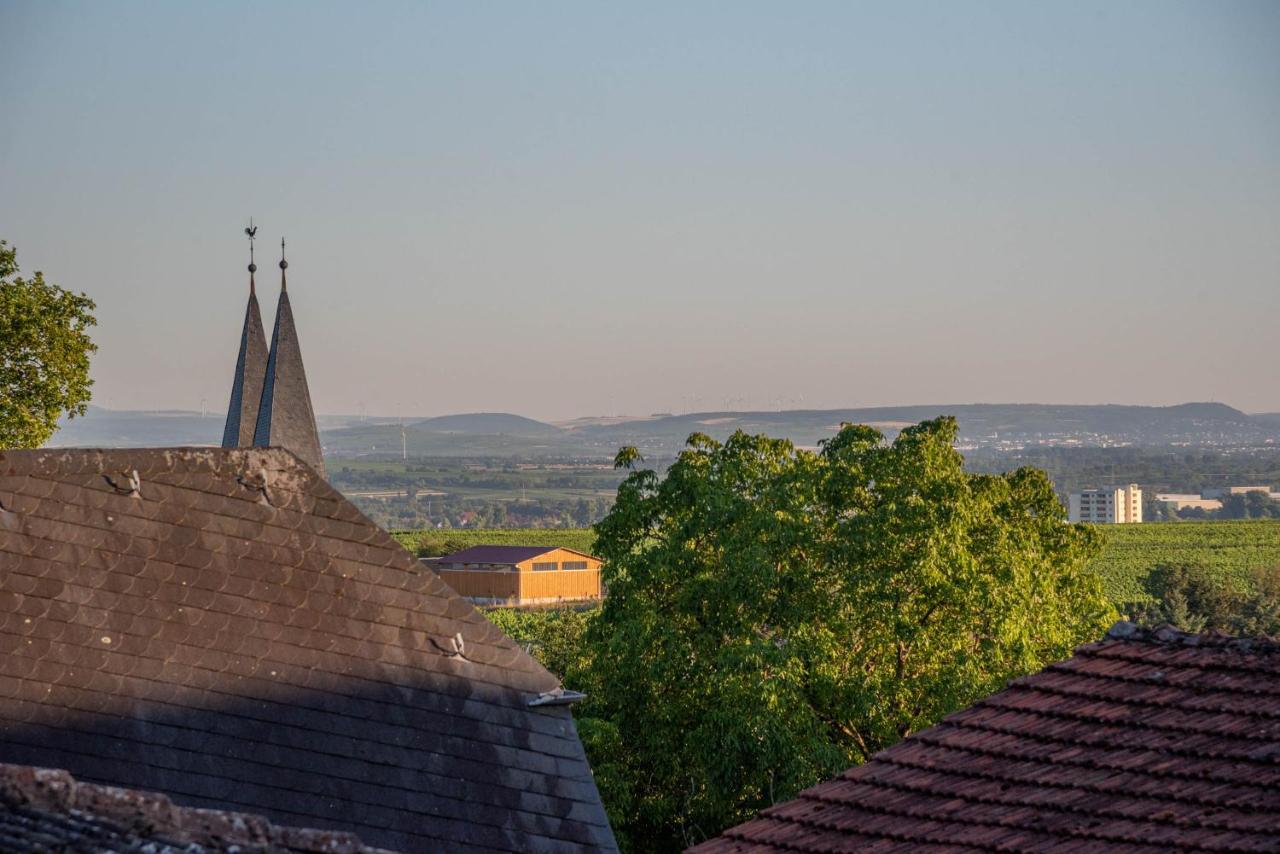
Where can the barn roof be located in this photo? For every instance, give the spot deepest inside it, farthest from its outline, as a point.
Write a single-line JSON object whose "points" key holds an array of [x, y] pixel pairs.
{"points": [[503, 554], [44, 809], [1143, 742], [221, 626]]}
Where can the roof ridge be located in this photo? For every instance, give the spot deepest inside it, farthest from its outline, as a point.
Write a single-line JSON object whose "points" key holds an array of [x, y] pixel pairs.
{"points": [[1172, 636], [41, 461]]}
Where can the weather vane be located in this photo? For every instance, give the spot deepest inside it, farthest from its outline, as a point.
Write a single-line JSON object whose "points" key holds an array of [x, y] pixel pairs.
{"points": [[252, 232]]}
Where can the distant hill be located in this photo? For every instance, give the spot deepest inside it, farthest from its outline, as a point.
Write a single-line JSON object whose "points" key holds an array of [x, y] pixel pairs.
{"points": [[980, 424], [487, 423], [385, 440], [509, 435]]}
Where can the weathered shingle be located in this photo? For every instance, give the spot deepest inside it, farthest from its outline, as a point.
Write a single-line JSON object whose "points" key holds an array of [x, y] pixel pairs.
{"points": [[234, 634], [43, 809], [1144, 742]]}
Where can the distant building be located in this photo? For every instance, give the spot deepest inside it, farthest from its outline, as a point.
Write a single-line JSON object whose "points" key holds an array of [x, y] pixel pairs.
{"points": [[1179, 501], [1225, 491], [1210, 499], [1116, 506], [520, 575]]}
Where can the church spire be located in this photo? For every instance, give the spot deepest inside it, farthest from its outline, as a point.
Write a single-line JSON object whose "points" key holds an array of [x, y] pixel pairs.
{"points": [[285, 416], [251, 367]]}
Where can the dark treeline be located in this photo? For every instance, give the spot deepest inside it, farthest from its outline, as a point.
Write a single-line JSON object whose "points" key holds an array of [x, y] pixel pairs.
{"points": [[1168, 469]]}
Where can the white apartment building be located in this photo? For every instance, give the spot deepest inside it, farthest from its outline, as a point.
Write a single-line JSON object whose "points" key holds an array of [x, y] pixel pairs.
{"points": [[1106, 506]]}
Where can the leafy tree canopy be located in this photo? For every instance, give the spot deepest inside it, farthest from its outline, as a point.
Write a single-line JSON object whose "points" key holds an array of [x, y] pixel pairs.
{"points": [[775, 615], [431, 545], [44, 354], [1194, 598]]}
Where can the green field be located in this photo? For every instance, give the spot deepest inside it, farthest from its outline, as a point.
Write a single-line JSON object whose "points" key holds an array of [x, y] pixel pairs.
{"points": [[1229, 548], [1130, 553], [578, 539]]}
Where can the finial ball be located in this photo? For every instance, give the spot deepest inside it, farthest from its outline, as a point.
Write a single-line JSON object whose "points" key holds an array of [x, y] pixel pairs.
{"points": [[253, 268], [284, 265]]}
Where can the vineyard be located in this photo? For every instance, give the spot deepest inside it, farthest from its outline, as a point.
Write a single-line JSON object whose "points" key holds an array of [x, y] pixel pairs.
{"points": [[1130, 553], [579, 539], [1229, 548]]}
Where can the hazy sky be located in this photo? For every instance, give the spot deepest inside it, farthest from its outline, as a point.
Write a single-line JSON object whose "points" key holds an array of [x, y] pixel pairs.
{"points": [[579, 208]]}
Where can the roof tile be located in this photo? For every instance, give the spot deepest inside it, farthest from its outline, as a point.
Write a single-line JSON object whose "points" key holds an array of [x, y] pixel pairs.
{"points": [[1145, 741]]}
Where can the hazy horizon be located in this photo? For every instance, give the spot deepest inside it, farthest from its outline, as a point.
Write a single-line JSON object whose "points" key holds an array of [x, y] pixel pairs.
{"points": [[577, 209], [214, 412]]}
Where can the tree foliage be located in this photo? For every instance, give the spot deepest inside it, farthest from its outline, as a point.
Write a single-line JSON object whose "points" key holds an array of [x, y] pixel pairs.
{"points": [[431, 544], [776, 614], [44, 354], [1194, 598]]}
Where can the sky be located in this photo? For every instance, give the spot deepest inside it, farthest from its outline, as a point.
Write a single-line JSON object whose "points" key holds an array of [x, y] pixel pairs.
{"points": [[569, 209]]}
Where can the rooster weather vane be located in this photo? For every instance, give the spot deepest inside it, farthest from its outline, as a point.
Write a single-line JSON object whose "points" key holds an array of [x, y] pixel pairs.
{"points": [[252, 232]]}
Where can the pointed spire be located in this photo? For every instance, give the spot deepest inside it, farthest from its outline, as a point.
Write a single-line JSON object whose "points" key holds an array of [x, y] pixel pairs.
{"points": [[251, 368], [285, 416]]}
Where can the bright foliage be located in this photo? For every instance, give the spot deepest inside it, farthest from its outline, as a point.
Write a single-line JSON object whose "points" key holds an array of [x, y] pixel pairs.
{"points": [[775, 615], [44, 354]]}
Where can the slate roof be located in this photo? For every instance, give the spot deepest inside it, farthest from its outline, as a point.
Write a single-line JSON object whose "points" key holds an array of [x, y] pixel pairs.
{"points": [[498, 554], [246, 387], [43, 809], [285, 416], [223, 627], [1143, 742]]}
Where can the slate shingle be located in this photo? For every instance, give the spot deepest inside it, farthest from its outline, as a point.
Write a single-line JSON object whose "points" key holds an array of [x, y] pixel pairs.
{"points": [[235, 635]]}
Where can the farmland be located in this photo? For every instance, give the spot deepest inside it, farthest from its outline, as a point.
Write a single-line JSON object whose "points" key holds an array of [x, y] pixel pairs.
{"points": [[1130, 553], [1228, 548]]}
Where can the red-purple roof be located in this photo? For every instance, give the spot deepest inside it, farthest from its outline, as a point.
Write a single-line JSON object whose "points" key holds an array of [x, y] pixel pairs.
{"points": [[499, 554], [1144, 742]]}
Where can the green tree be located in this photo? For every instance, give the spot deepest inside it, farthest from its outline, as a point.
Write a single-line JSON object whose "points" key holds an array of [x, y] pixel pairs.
{"points": [[775, 615], [1194, 598], [44, 354], [431, 544]]}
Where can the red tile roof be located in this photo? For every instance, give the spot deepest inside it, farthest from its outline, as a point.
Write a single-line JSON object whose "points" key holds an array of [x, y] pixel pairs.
{"points": [[223, 627], [49, 810], [1143, 742]]}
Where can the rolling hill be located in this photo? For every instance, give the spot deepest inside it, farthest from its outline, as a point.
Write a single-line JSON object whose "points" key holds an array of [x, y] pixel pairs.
{"points": [[506, 434]]}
